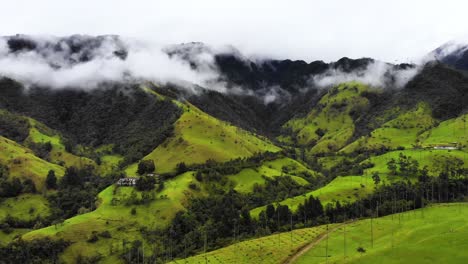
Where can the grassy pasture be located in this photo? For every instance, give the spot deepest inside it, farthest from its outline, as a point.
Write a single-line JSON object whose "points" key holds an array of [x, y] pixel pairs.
{"points": [[247, 178], [432, 158], [199, 137], [332, 117], [39, 133], [437, 234], [25, 207], [346, 188], [403, 131], [115, 216], [22, 163], [269, 249], [449, 131]]}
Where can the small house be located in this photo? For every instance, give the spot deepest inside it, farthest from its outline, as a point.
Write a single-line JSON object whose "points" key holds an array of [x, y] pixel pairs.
{"points": [[129, 181]]}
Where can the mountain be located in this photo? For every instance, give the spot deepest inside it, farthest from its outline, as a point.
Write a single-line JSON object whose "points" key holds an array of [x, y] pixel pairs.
{"points": [[256, 149], [452, 53]]}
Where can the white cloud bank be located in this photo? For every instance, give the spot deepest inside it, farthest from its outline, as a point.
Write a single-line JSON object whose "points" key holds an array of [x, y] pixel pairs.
{"points": [[145, 60], [377, 74]]}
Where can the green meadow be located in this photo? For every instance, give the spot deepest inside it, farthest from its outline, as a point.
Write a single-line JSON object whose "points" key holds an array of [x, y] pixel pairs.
{"points": [[199, 137], [25, 207], [342, 189], [434, 159], [23, 164], [39, 133], [274, 248], [437, 234], [332, 118], [247, 178], [403, 131], [114, 215]]}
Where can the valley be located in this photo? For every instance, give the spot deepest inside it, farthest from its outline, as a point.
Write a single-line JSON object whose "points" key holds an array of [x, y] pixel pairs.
{"points": [[158, 172]]}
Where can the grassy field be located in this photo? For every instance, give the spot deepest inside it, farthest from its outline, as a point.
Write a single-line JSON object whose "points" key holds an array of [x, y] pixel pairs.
{"points": [[348, 188], [199, 137], [7, 238], [449, 131], [114, 215], [25, 207], [402, 131], [438, 234], [269, 249], [39, 133], [331, 117], [22, 163], [247, 178], [433, 159]]}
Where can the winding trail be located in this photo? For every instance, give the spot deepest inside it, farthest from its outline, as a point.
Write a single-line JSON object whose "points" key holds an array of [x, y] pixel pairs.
{"points": [[292, 259]]}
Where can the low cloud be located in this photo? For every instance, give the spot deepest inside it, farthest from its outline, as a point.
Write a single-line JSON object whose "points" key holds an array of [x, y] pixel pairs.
{"points": [[56, 63], [377, 74]]}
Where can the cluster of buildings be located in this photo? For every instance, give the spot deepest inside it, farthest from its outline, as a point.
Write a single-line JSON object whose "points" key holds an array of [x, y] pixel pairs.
{"points": [[131, 181]]}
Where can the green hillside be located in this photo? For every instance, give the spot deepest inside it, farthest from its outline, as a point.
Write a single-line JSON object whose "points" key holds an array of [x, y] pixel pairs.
{"points": [[247, 178], [199, 137], [436, 160], [329, 126], [114, 215], [269, 249], [437, 234], [39, 133], [342, 189], [404, 131], [452, 131], [25, 207], [22, 162]]}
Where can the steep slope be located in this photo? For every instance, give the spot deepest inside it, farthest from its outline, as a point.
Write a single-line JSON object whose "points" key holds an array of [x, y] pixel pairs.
{"points": [[115, 216], [199, 137], [404, 131], [330, 125], [342, 189], [41, 134], [22, 163], [453, 53], [429, 235], [247, 178], [122, 114], [269, 249], [447, 133]]}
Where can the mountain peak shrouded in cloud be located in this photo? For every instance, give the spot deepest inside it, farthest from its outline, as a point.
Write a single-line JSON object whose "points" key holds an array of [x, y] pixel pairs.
{"points": [[84, 61], [453, 53]]}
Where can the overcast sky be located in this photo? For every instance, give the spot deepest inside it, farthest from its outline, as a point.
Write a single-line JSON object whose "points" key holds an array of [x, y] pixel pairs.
{"points": [[328, 29]]}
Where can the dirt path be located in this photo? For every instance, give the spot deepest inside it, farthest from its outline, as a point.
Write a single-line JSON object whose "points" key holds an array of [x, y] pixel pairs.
{"points": [[292, 259]]}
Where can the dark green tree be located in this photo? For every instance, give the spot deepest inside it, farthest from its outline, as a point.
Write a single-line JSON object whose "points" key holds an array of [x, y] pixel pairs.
{"points": [[392, 166], [51, 180], [181, 168], [376, 177], [146, 166]]}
